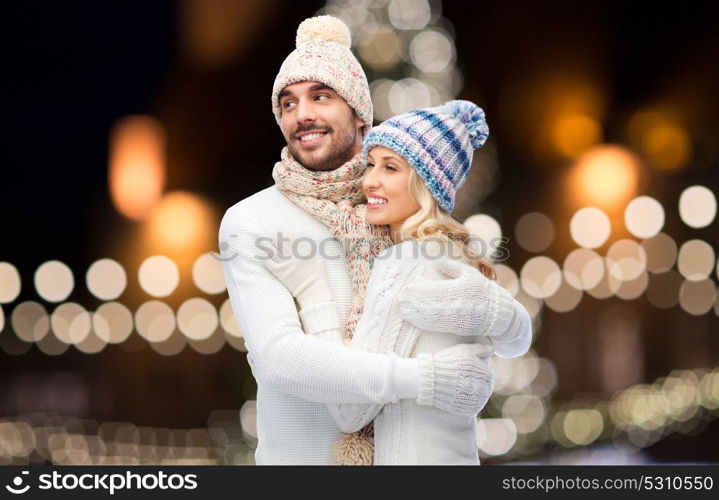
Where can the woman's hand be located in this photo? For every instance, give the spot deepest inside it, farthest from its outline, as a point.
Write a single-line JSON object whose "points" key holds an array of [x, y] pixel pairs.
{"points": [[454, 298], [303, 272]]}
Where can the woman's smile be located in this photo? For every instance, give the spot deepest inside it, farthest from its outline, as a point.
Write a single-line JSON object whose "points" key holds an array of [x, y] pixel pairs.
{"points": [[375, 202]]}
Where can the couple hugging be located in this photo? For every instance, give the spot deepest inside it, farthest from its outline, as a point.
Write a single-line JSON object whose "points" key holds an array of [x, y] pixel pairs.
{"points": [[372, 347]]}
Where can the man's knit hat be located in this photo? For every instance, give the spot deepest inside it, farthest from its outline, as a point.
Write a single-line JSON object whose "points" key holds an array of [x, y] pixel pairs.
{"points": [[438, 142], [323, 55]]}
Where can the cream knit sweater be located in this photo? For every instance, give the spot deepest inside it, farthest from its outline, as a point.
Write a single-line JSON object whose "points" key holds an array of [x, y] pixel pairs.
{"points": [[298, 374], [413, 308]]}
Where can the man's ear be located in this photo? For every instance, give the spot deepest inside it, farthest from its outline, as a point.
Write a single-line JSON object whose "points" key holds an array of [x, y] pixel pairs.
{"points": [[360, 125]]}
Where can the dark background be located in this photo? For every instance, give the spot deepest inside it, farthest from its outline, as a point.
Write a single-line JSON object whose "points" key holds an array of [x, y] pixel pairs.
{"points": [[72, 69]]}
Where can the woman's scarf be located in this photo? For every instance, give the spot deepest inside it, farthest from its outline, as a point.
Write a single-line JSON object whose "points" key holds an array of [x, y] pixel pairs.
{"points": [[335, 198]]}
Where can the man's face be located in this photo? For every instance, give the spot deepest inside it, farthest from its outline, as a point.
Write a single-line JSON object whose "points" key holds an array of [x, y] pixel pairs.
{"points": [[321, 130]]}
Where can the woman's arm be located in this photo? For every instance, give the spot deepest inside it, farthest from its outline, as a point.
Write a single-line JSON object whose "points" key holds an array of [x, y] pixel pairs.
{"points": [[457, 298]]}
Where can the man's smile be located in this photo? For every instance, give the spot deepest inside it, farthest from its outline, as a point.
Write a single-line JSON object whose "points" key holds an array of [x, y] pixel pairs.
{"points": [[311, 138]]}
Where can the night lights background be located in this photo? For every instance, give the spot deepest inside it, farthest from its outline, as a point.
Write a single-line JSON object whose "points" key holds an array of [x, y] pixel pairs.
{"points": [[132, 126]]}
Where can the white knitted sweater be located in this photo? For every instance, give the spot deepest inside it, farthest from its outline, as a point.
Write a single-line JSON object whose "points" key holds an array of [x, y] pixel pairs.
{"points": [[298, 374], [413, 308]]}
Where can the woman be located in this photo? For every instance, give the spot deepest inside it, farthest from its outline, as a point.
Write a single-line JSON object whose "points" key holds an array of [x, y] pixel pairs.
{"points": [[422, 296]]}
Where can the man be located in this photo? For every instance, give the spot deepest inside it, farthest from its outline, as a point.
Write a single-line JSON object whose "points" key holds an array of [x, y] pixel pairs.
{"points": [[322, 103]]}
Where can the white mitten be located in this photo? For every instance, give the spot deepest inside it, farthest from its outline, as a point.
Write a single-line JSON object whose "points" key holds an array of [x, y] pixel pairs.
{"points": [[303, 273], [457, 379], [456, 298]]}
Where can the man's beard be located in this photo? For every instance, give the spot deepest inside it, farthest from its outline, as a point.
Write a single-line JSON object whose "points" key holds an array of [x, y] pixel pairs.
{"points": [[338, 152]]}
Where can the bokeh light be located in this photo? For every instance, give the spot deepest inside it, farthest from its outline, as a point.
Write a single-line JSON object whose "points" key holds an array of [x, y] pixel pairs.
{"points": [[696, 260], [159, 276], [70, 323], [697, 297], [172, 345], [410, 93], [208, 275], [181, 222], [541, 277], [697, 206], [209, 345], [155, 321], [409, 14], [605, 176], [575, 133], [603, 290], [644, 217], [54, 281], [137, 165], [583, 268], [660, 138], [106, 279], [565, 299], [486, 233], [629, 289], [583, 426], [9, 283], [534, 232], [197, 318], [496, 436], [526, 411], [30, 321], [431, 51], [661, 251], [112, 322], [507, 278], [227, 320], [380, 48], [590, 227], [626, 260]]}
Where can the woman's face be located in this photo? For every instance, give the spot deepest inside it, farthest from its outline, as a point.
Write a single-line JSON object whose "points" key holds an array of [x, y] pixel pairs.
{"points": [[386, 185]]}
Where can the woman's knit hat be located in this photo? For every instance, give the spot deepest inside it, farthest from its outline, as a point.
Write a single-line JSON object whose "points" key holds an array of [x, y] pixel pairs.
{"points": [[323, 55], [438, 142]]}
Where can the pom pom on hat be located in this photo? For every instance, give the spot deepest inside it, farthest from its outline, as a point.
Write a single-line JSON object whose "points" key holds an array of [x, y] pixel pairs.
{"points": [[472, 116], [324, 54], [323, 29]]}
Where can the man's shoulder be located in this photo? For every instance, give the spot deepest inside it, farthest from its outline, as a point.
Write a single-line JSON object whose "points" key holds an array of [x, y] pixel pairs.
{"points": [[251, 213], [256, 203]]}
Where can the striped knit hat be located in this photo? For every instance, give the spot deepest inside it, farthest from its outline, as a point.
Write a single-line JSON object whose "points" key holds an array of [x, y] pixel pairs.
{"points": [[323, 55], [438, 142]]}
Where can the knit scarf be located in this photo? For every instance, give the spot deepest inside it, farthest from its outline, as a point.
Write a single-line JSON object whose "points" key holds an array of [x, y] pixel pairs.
{"points": [[335, 198]]}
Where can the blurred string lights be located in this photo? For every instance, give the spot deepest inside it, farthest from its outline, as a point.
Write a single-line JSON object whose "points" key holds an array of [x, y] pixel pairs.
{"points": [[197, 322], [521, 417], [408, 51], [61, 440]]}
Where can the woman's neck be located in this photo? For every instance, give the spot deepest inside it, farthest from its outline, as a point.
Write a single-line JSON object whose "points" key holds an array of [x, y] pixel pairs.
{"points": [[394, 232]]}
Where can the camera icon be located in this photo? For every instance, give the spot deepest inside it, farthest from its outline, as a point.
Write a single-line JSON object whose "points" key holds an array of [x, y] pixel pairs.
{"points": [[18, 489]]}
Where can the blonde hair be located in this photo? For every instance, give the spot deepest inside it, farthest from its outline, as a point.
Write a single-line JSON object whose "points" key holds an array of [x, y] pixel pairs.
{"points": [[431, 221]]}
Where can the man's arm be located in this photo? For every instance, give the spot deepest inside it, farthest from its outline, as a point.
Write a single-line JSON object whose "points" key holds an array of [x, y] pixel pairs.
{"points": [[283, 356]]}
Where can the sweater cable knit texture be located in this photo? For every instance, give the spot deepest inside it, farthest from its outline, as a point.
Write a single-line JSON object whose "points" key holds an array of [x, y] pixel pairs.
{"points": [[432, 429]]}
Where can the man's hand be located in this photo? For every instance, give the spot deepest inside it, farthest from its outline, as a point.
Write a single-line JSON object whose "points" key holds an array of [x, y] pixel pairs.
{"points": [[303, 272], [457, 379]]}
